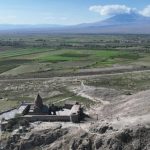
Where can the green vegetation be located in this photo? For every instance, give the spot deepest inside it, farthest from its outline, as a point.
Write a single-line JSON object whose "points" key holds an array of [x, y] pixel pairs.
{"points": [[30, 56], [21, 51], [43, 61], [66, 95], [5, 105], [42, 53]]}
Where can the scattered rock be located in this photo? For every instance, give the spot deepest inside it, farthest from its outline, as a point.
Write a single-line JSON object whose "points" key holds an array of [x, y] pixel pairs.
{"points": [[101, 128], [98, 142], [125, 136]]}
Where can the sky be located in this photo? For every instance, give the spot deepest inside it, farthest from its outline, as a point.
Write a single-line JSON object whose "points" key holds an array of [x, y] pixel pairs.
{"points": [[67, 12]]}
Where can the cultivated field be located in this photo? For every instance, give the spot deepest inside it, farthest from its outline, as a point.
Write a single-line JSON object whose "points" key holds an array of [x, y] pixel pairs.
{"points": [[34, 60], [39, 54]]}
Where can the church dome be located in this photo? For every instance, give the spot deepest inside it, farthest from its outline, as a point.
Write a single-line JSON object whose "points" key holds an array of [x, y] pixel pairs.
{"points": [[38, 101]]}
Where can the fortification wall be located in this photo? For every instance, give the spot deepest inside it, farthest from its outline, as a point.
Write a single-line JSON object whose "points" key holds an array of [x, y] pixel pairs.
{"points": [[46, 118], [73, 118]]}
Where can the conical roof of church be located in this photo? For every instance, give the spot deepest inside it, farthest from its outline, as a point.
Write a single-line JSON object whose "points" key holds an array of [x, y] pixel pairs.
{"points": [[38, 101]]}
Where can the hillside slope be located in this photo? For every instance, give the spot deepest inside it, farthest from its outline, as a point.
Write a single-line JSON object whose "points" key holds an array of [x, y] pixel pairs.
{"points": [[124, 125]]}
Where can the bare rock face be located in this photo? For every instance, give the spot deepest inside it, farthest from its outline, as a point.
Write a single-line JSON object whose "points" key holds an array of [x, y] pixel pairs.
{"points": [[129, 138], [101, 128], [136, 138], [81, 142], [98, 142], [35, 140]]}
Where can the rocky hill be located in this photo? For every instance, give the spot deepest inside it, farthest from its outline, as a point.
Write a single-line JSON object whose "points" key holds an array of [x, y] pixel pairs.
{"points": [[123, 124]]}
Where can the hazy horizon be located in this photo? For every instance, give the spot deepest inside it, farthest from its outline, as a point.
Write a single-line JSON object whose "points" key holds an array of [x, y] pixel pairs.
{"points": [[67, 12]]}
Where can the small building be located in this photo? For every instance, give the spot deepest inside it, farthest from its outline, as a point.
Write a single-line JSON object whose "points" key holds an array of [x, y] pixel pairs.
{"points": [[24, 109], [75, 113], [69, 104]]}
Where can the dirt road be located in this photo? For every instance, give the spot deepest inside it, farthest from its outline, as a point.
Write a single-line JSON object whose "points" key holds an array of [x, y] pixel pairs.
{"points": [[82, 75]]}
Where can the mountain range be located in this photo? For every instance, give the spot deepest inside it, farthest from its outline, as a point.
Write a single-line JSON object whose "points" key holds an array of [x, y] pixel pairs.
{"points": [[122, 23]]}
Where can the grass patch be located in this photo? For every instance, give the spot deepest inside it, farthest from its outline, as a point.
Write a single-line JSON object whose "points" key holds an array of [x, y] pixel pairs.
{"points": [[66, 56], [82, 100], [4, 68], [72, 97], [132, 56], [8, 64], [74, 54], [107, 53], [7, 104], [27, 68], [107, 58], [55, 58], [20, 52], [112, 54]]}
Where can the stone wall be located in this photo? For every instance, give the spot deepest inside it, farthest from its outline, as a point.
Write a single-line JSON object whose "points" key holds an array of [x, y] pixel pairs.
{"points": [[73, 116], [46, 118]]}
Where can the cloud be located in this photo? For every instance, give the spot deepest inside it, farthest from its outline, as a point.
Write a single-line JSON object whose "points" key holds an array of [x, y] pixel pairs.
{"points": [[107, 10], [145, 11]]}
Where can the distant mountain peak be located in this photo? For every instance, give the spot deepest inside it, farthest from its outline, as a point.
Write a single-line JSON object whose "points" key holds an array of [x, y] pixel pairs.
{"points": [[121, 23], [120, 19], [128, 17]]}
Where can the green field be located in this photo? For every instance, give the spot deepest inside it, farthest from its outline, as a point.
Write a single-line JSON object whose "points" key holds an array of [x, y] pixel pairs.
{"points": [[24, 54], [17, 62]]}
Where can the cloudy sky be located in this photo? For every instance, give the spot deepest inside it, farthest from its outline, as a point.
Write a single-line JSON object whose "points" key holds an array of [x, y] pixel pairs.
{"points": [[67, 12]]}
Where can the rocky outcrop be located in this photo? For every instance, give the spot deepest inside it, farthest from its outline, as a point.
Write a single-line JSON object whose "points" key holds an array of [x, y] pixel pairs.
{"points": [[99, 137], [135, 138], [34, 140]]}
